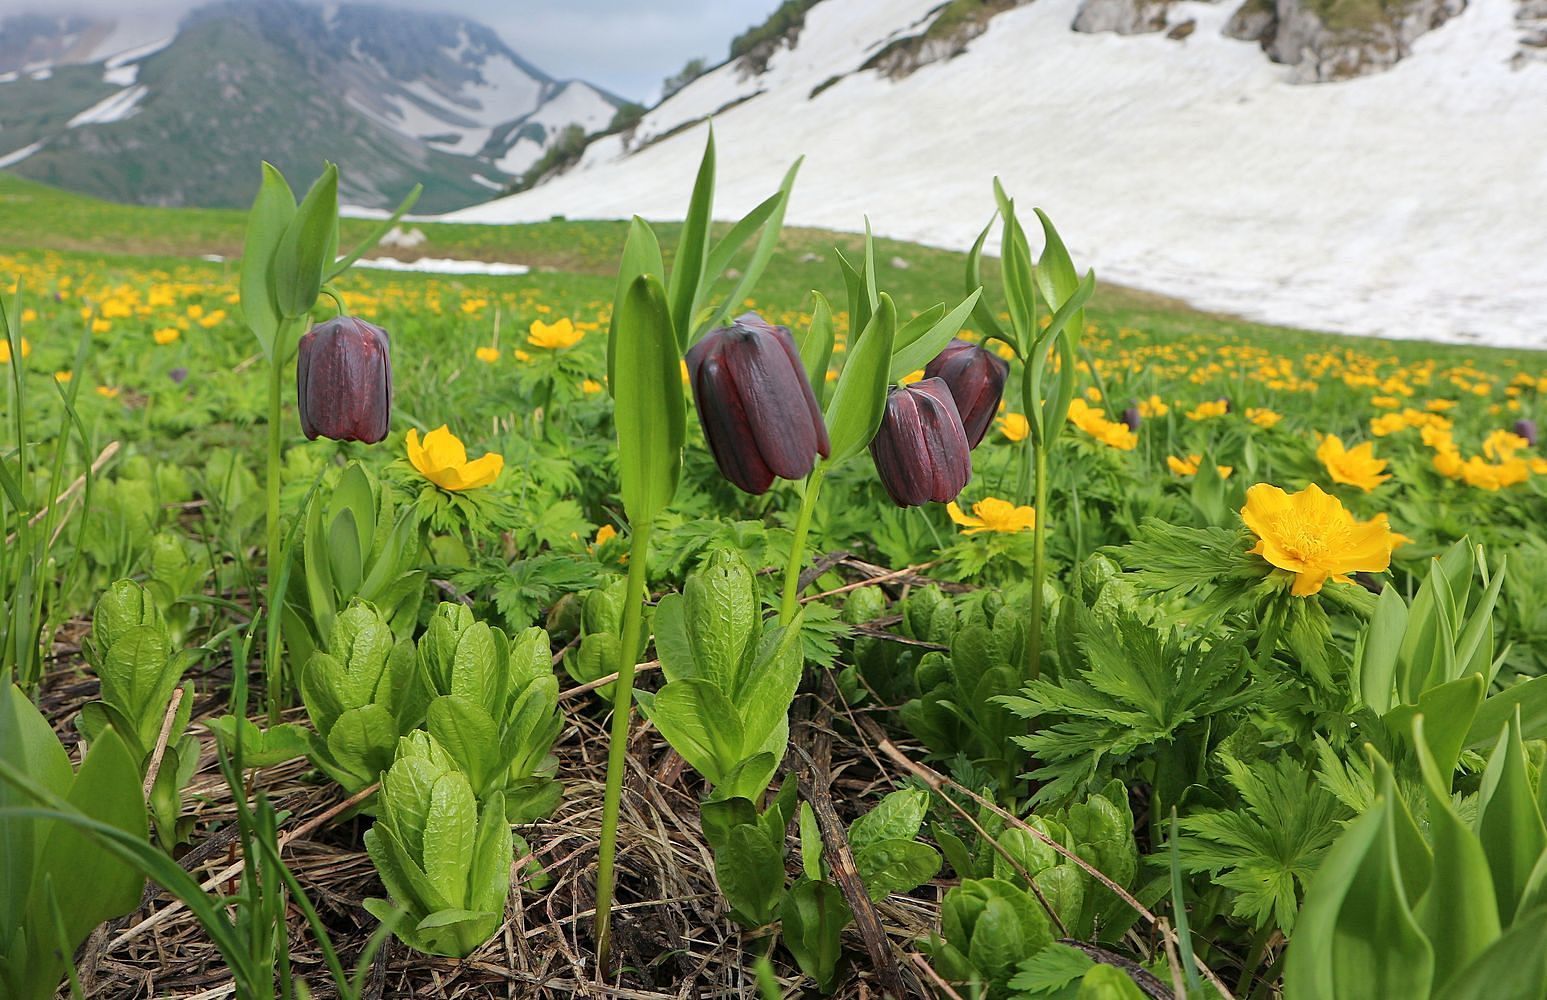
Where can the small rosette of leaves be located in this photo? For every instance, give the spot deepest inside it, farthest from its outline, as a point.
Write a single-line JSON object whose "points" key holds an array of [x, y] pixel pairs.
{"points": [[495, 708], [130, 648], [445, 863], [601, 626], [361, 694], [354, 543], [730, 678]]}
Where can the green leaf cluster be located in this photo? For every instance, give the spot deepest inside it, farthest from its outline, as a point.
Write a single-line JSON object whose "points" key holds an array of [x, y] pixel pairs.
{"points": [[730, 677], [130, 649], [444, 861], [1458, 909], [56, 884], [495, 708], [361, 692]]}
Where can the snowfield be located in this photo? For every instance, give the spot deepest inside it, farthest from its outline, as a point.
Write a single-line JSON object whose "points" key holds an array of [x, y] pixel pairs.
{"points": [[1408, 204]]}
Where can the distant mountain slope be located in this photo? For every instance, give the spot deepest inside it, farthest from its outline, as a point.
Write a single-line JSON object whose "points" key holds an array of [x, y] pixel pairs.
{"points": [[396, 96], [1407, 203]]}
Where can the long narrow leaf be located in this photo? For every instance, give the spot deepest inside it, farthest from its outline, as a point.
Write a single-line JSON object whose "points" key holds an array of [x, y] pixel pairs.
{"points": [[365, 245], [687, 266]]}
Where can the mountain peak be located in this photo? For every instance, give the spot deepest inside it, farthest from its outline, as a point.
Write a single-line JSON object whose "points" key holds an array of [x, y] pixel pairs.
{"points": [[179, 114]]}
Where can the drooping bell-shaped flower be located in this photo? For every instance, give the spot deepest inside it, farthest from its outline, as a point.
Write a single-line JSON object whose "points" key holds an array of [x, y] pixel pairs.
{"points": [[343, 375], [755, 404], [921, 450], [1132, 418], [1526, 428], [976, 378]]}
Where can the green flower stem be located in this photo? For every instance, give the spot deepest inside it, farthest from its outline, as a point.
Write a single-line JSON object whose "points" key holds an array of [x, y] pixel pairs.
{"points": [[1038, 570], [798, 545], [274, 671], [617, 750]]}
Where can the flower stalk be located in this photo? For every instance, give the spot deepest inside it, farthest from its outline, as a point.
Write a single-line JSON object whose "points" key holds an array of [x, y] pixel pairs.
{"points": [[617, 750], [808, 498]]}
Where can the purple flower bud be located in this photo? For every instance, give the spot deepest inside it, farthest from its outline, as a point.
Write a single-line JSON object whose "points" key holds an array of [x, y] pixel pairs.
{"points": [[755, 404], [976, 379], [1526, 428], [178, 375], [344, 381], [920, 450], [1131, 418]]}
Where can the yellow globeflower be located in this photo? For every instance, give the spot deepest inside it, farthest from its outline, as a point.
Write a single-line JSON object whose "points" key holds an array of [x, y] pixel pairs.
{"points": [[604, 534], [488, 355], [554, 336], [1153, 407], [1493, 477], [1355, 466], [5, 350], [1014, 426], [1209, 410], [1262, 416], [911, 377], [167, 335], [442, 460], [1311, 535], [590, 387], [1501, 445], [1189, 466], [63, 376], [993, 514]]}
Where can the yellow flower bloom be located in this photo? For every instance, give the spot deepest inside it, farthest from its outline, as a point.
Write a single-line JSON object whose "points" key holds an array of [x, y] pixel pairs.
{"points": [[101, 325], [488, 355], [1095, 423], [5, 350], [1153, 407], [167, 335], [63, 376], [993, 514], [1311, 535], [605, 533], [1386, 402], [1209, 410], [1494, 476], [442, 460], [1189, 466], [1357, 466], [554, 336], [1440, 405], [911, 377], [1262, 416], [107, 391], [1014, 426], [1501, 445], [590, 387], [213, 319]]}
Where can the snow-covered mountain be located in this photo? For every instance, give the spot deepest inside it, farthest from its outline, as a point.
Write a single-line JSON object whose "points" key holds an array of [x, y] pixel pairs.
{"points": [[1406, 203], [178, 112]]}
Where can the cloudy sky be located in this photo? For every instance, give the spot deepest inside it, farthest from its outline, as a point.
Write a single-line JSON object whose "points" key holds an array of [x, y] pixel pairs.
{"points": [[627, 46]]}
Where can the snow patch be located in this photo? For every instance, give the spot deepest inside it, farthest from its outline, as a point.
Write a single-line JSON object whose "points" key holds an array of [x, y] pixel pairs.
{"points": [[114, 108], [12, 158], [443, 265], [1406, 204]]}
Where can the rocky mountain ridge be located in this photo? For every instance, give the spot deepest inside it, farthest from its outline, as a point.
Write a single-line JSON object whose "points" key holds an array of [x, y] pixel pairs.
{"points": [[179, 113]]}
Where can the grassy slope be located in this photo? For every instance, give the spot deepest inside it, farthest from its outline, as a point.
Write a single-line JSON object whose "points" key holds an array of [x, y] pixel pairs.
{"points": [[35, 217]]}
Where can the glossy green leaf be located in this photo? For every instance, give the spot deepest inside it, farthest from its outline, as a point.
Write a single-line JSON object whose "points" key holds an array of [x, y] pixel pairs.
{"points": [[859, 399], [306, 250], [701, 724], [1378, 648], [918, 348], [1509, 821], [1514, 966], [762, 252], [687, 265], [641, 255], [649, 415], [382, 229], [816, 347], [270, 215], [814, 915], [1458, 912], [982, 312]]}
